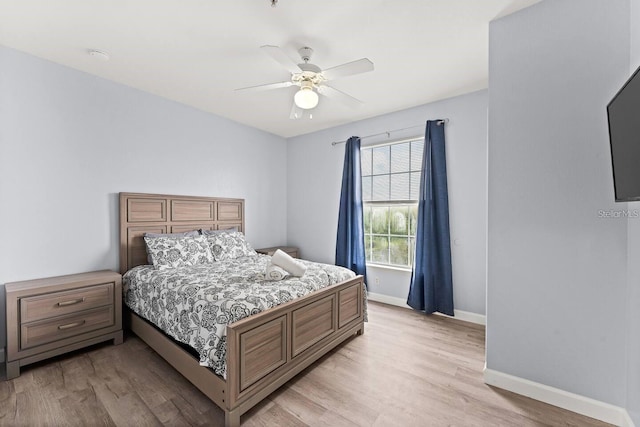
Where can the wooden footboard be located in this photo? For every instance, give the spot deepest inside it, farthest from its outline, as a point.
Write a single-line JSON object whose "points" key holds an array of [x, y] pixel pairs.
{"points": [[266, 350]]}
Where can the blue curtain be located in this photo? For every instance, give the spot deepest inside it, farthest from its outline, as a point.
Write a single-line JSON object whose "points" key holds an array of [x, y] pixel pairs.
{"points": [[350, 240], [431, 284]]}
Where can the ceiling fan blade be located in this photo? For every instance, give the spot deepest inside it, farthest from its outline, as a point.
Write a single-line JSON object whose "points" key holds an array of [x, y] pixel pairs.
{"points": [[296, 112], [278, 54], [350, 68], [331, 92], [266, 86]]}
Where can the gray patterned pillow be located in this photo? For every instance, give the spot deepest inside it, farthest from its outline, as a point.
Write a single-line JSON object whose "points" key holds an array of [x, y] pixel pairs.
{"points": [[210, 232], [192, 233], [175, 252], [229, 245]]}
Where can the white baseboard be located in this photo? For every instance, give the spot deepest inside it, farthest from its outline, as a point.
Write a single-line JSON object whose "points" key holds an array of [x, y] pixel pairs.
{"points": [[386, 299], [467, 316], [573, 402], [470, 317]]}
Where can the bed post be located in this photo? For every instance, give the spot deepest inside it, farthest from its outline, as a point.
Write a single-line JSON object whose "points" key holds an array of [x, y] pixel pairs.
{"points": [[232, 418], [231, 411]]}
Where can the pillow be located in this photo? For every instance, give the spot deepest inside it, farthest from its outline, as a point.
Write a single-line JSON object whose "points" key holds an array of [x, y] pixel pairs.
{"points": [[212, 232], [229, 245], [192, 233], [242, 242], [174, 252]]}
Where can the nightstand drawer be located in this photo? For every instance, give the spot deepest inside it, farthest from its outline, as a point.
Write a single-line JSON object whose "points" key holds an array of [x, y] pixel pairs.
{"points": [[65, 302], [44, 331]]}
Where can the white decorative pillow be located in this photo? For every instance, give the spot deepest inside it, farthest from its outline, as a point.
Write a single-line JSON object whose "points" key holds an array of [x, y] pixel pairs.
{"points": [[175, 252], [229, 245]]}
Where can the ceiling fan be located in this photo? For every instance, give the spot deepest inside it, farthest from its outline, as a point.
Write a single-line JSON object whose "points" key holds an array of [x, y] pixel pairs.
{"points": [[311, 79]]}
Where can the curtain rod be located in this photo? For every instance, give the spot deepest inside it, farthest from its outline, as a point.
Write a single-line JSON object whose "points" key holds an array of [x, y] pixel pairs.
{"points": [[388, 133]]}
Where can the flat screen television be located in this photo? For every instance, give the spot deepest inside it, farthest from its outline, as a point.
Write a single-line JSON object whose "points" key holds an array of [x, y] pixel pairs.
{"points": [[624, 137]]}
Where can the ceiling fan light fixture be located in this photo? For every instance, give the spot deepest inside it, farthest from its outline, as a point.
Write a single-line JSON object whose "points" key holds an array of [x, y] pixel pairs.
{"points": [[306, 98]]}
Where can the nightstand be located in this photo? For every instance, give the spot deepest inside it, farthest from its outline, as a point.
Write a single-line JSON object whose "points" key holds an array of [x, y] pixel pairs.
{"points": [[48, 317], [291, 250]]}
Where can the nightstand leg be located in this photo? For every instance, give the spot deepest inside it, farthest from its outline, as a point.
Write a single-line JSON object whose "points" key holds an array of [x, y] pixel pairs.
{"points": [[13, 370], [117, 339]]}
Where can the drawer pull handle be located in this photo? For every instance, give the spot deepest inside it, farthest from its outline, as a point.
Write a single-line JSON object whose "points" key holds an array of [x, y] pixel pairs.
{"points": [[74, 301], [71, 325]]}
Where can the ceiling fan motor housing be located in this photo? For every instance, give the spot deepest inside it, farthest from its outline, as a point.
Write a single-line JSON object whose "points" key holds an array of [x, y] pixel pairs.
{"points": [[305, 53]]}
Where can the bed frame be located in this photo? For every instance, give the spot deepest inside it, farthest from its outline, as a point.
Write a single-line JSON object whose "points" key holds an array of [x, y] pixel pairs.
{"points": [[265, 350]]}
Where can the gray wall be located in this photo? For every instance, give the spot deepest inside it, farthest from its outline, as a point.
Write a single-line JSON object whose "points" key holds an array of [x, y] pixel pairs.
{"points": [[3, 331], [69, 142], [557, 289], [633, 315], [315, 170], [633, 263]]}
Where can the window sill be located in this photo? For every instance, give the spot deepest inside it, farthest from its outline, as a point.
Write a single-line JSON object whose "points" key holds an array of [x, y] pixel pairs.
{"points": [[389, 267]]}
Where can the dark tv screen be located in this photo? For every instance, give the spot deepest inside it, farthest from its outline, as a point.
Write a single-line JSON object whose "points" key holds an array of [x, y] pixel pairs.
{"points": [[624, 136]]}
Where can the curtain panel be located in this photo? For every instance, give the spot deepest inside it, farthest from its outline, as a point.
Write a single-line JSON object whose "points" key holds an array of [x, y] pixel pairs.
{"points": [[431, 287], [350, 237]]}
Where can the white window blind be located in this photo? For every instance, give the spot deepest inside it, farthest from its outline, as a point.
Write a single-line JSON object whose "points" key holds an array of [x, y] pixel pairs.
{"points": [[390, 185]]}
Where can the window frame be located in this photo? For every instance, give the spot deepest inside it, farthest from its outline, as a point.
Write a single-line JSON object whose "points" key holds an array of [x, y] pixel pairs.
{"points": [[390, 204]]}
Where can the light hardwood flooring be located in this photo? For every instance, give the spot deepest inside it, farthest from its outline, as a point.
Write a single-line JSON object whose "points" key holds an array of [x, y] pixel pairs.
{"points": [[406, 370]]}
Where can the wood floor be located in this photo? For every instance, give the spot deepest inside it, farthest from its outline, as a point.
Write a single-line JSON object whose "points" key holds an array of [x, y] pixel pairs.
{"points": [[428, 375]]}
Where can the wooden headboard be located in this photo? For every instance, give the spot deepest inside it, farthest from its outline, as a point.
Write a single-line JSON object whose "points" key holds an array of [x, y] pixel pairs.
{"points": [[159, 213]]}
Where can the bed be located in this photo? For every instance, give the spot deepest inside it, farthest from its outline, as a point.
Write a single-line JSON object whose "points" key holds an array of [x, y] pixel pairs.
{"points": [[264, 350]]}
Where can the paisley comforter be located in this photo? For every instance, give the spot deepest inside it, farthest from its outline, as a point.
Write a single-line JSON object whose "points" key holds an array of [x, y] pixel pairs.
{"points": [[195, 304]]}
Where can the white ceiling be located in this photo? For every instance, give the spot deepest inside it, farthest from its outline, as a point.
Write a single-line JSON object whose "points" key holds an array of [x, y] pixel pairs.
{"points": [[198, 51]]}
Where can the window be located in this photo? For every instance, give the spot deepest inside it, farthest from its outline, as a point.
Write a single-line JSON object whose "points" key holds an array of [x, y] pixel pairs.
{"points": [[390, 188]]}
